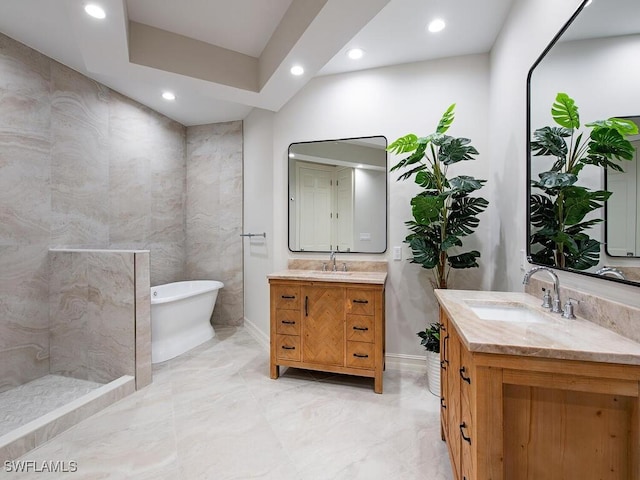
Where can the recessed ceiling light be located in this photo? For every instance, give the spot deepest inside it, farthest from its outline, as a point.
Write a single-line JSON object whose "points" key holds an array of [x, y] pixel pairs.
{"points": [[355, 53], [95, 10], [436, 25], [168, 95], [297, 70]]}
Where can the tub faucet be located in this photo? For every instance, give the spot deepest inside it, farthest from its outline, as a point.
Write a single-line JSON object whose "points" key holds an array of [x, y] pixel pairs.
{"points": [[332, 259], [556, 306]]}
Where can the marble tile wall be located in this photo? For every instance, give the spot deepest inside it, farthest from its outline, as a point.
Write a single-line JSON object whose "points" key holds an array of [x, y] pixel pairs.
{"points": [[214, 214], [91, 315], [80, 166]]}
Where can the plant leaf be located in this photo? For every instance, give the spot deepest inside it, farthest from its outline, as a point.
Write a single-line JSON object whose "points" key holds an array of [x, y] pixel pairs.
{"points": [[622, 125], [550, 141], [450, 242], [405, 144], [424, 252], [463, 215], [578, 201], [464, 260], [426, 208], [585, 255], [452, 150], [465, 184], [556, 179], [609, 143], [565, 112], [446, 120]]}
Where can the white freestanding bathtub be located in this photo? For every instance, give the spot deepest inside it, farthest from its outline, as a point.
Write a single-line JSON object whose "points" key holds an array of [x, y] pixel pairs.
{"points": [[180, 317]]}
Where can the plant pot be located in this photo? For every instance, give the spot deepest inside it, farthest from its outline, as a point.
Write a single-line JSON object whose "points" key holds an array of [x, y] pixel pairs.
{"points": [[433, 372]]}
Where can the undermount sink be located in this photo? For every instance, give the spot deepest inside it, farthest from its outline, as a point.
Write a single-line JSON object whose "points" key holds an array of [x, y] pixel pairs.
{"points": [[517, 313]]}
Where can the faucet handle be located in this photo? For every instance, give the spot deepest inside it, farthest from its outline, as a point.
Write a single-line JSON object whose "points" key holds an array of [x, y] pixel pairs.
{"points": [[568, 309], [344, 267], [546, 298], [324, 266]]}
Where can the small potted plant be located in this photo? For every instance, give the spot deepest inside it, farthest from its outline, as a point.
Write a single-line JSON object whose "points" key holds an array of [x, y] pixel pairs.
{"points": [[431, 342]]}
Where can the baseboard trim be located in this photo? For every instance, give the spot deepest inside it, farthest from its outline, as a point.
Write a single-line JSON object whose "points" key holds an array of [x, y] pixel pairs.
{"points": [[401, 361], [256, 333]]}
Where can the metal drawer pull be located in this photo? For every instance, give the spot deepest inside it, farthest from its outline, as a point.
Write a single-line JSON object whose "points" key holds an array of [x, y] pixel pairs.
{"points": [[466, 379], [288, 297], [362, 329], [360, 355], [285, 347], [288, 322], [360, 301], [306, 306], [463, 425], [442, 402]]}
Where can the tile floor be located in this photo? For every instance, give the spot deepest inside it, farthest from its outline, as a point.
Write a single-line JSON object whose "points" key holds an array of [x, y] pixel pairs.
{"points": [[214, 413]]}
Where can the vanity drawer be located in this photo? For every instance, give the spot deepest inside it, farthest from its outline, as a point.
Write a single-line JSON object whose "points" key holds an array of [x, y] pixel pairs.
{"points": [[288, 347], [360, 328], [360, 355], [360, 302], [286, 297], [287, 322]]}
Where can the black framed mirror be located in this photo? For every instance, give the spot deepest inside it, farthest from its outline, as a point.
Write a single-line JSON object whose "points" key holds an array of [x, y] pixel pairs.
{"points": [[338, 195], [593, 60]]}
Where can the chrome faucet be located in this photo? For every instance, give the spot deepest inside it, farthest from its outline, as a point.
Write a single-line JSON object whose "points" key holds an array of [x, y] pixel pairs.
{"points": [[556, 306], [614, 272], [332, 259]]}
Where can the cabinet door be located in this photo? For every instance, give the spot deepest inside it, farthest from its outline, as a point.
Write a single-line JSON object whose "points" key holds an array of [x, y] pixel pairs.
{"points": [[453, 398], [444, 362], [468, 427], [323, 325]]}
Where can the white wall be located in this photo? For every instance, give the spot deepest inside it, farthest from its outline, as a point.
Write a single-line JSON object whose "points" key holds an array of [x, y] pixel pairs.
{"points": [[531, 25], [392, 102], [258, 218]]}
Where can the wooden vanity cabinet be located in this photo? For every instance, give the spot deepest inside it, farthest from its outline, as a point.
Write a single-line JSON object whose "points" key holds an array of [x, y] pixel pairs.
{"points": [[328, 326], [508, 417]]}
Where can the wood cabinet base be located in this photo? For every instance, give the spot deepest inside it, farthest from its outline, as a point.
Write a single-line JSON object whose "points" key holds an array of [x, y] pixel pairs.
{"points": [[328, 326], [508, 417]]}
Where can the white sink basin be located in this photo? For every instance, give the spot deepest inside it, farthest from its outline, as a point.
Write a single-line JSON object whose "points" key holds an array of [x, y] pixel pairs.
{"points": [[516, 313]]}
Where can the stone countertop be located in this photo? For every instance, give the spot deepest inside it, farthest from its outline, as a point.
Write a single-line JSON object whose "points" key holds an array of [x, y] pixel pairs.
{"points": [[377, 278], [553, 337]]}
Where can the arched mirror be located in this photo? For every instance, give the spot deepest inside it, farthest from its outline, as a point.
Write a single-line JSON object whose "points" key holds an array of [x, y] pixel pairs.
{"points": [[593, 60]]}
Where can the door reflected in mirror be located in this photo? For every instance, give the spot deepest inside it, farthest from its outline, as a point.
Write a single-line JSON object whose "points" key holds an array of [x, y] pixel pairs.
{"points": [[338, 195]]}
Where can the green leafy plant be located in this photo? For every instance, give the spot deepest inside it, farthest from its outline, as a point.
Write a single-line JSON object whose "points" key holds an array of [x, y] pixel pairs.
{"points": [[431, 338], [443, 211], [558, 214]]}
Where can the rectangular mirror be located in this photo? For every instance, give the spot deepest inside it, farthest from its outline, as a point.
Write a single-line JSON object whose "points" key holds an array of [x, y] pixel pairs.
{"points": [[592, 59], [338, 195]]}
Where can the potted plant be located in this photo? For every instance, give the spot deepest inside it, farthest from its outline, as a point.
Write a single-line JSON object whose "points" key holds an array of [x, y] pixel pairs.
{"points": [[559, 213], [430, 339], [443, 213], [443, 210]]}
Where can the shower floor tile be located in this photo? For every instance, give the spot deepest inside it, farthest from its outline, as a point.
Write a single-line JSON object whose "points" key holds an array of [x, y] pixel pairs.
{"points": [[29, 401]]}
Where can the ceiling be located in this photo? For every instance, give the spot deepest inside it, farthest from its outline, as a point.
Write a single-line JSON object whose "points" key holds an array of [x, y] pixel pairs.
{"points": [[222, 58]]}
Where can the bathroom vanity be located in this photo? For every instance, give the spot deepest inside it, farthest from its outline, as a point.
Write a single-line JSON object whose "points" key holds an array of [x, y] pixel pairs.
{"points": [[328, 321], [526, 394]]}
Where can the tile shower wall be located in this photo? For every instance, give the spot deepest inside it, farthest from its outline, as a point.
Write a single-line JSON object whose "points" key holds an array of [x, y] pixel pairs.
{"points": [[95, 309], [214, 213], [80, 166]]}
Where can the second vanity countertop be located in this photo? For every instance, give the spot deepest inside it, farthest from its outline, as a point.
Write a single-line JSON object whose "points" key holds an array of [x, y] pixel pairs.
{"points": [[377, 278], [551, 337]]}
